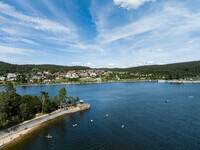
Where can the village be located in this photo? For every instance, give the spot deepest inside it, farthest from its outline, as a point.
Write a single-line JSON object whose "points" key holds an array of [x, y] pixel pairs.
{"points": [[47, 77], [37, 76]]}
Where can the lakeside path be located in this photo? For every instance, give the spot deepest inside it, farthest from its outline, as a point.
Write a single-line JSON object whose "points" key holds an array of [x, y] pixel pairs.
{"points": [[27, 127]]}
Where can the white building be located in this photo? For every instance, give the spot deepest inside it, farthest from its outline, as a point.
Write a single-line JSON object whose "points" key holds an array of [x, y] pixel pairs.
{"points": [[71, 75], [2, 78], [84, 75], [68, 75], [38, 76], [47, 80], [46, 72], [93, 74], [74, 75], [58, 78], [98, 79], [11, 76]]}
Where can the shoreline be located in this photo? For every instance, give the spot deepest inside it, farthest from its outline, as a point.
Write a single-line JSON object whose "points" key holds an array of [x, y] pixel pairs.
{"points": [[74, 83], [111, 81], [35, 123], [17, 136]]}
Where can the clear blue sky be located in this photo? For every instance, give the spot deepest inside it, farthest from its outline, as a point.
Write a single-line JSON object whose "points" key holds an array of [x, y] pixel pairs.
{"points": [[99, 33]]}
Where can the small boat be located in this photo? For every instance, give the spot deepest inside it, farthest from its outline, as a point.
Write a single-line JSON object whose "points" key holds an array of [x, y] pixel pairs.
{"points": [[123, 126], [167, 101], [48, 136], [74, 125], [161, 81], [107, 115], [92, 120]]}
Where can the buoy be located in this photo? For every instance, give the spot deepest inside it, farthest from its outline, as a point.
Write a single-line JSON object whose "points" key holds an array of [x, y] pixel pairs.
{"points": [[74, 125], [49, 136], [167, 101]]}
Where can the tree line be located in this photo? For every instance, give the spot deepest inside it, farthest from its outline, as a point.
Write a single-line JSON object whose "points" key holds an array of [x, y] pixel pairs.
{"points": [[15, 108], [169, 71], [13, 68]]}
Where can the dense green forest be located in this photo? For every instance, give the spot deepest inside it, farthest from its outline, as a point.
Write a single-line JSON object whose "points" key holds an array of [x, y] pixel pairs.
{"points": [[170, 71], [12, 68], [15, 108]]}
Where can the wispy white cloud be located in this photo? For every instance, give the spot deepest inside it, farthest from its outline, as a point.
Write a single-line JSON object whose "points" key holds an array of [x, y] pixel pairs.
{"points": [[133, 29], [131, 4], [159, 50], [23, 29], [111, 65], [171, 21], [89, 64], [16, 39], [162, 32], [150, 62], [13, 50], [166, 34], [92, 48], [35, 22], [100, 15], [9, 31], [76, 63]]}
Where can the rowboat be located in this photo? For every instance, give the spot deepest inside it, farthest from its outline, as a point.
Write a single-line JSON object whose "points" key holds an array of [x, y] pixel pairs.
{"points": [[49, 136]]}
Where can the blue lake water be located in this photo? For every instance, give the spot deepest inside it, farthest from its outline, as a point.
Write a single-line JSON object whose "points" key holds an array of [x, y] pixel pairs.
{"points": [[150, 122]]}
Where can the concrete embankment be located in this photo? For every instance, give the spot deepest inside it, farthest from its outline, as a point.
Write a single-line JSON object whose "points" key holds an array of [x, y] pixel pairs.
{"points": [[10, 134]]}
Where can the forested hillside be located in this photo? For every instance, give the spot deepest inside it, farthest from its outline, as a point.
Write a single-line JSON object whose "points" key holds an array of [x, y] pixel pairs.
{"points": [[177, 70], [12, 68]]}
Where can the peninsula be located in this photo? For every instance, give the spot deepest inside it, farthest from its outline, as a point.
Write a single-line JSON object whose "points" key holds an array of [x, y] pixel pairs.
{"points": [[11, 134], [20, 115]]}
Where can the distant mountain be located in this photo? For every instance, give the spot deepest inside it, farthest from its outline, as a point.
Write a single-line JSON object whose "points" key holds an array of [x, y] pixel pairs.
{"points": [[12, 68]]}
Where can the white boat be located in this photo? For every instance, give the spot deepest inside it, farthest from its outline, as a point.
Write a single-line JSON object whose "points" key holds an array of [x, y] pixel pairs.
{"points": [[167, 101], [107, 115], [74, 125], [161, 81], [92, 120], [123, 126], [49, 136]]}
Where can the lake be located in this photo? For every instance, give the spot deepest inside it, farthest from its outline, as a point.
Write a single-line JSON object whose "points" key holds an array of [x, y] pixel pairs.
{"points": [[149, 122]]}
